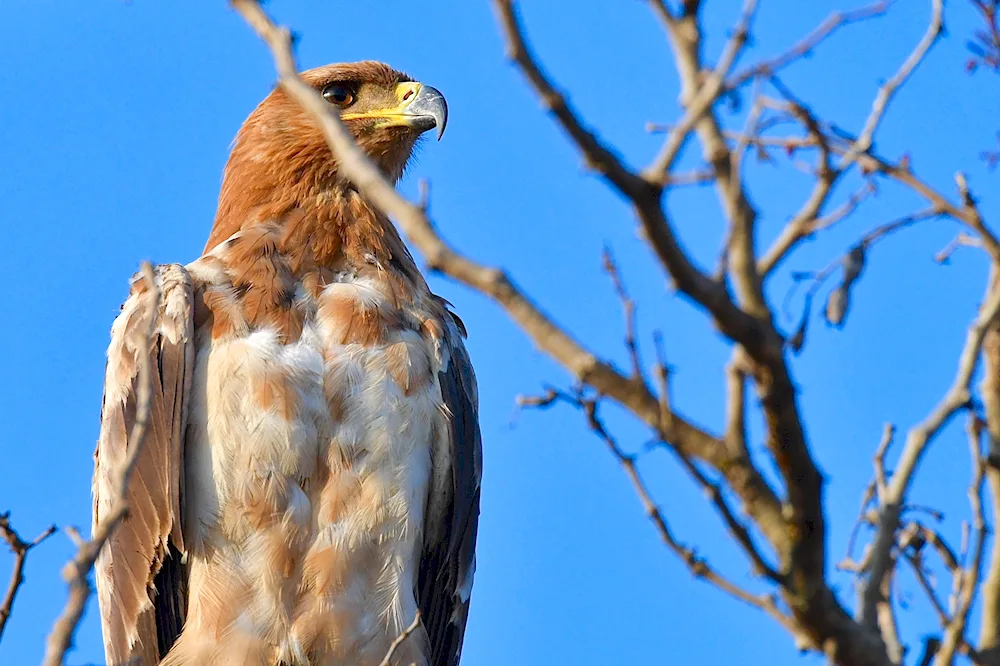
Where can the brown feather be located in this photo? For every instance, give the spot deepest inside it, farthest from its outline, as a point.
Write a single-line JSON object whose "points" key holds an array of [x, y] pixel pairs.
{"points": [[135, 554]]}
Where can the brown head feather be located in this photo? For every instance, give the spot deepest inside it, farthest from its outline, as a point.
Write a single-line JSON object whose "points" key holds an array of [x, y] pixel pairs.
{"points": [[281, 170]]}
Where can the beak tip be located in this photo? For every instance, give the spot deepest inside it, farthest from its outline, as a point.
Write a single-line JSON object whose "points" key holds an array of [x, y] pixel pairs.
{"points": [[430, 103]]}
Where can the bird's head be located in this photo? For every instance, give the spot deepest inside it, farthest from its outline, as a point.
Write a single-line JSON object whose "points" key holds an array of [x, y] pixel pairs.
{"points": [[281, 161], [384, 109]]}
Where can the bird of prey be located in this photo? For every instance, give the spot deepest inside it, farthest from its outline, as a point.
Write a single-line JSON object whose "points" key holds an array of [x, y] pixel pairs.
{"points": [[311, 472]]}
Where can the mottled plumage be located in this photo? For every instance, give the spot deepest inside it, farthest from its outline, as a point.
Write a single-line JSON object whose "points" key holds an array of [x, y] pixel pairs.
{"points": [[311, 475]]}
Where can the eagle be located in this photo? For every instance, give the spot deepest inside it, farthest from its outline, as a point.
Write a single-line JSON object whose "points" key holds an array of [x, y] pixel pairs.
{"points": [[310, 479]]}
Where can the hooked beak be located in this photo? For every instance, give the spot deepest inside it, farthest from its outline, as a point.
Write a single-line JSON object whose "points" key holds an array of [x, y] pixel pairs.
{"points": [[420, 107], [428, 109]]}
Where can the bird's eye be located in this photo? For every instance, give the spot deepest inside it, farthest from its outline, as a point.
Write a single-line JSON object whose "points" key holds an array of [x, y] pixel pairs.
{"points": [[339, 94]]}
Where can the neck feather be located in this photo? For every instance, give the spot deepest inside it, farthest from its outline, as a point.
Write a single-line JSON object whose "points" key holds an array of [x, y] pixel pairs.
{"points": [[326, 222]]}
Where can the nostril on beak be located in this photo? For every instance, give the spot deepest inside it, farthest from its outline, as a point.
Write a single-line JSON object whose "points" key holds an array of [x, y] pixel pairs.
{"points": [[408, 95]]}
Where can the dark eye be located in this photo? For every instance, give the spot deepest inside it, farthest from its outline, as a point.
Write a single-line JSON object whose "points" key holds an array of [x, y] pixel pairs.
{"points": [[339, 94]]}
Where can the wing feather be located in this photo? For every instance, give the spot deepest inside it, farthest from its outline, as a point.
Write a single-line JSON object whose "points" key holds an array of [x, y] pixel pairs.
{"points": [[141, 580], [448, 560]]}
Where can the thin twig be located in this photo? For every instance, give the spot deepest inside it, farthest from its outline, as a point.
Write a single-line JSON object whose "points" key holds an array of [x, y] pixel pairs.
{"points": [[663, 384], [699, 96], [807, 221], [889, 89], [961, 240], [628, 308], [922, 534], [805, 47], [697, 565], [711, 489], [888, 434], [918, 570], [596, 154], [967, 212], [77, 570], [20, 549], [396, 642], [735, 527]]}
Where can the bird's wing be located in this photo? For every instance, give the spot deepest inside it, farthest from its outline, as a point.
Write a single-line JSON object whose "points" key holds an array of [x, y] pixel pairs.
{"points": [[448, 560], [141, 580]]}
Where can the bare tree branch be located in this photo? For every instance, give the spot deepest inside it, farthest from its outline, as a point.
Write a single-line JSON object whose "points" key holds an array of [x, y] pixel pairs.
{"points": [[887, 624], [807, 221], [956, 399], [967, 212], [696, 564], [801, 541], [804, 47], [662, 12], [736, 424], [928, 588], [851, 263], [78, 569], [396, 642], [697, 95], [961, 240], [713, 492], [685, 39], [20, 549], [628, 307], [892, 86], [985, 46], [968, 578], [989, 632]]}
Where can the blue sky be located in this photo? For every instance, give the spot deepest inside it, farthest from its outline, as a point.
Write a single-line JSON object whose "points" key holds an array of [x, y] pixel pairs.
{"points": [[115, 122]]}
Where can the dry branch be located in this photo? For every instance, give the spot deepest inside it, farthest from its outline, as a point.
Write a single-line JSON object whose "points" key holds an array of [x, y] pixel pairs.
{"points": [[805, 46], [961, 240], [396, 642], [807, 220], [697, 565], [77, 571], [888, 90], [628, 308], [957, 398], [967, 212], [20, 549], [989, 633]]}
